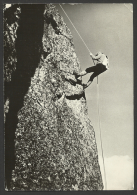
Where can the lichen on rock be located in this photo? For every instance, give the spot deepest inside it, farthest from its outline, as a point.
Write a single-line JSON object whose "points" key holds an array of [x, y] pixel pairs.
{"points": [[55, 147]]}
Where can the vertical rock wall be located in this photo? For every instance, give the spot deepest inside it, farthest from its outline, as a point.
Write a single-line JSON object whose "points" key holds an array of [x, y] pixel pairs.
{"points": [[55, 147]]}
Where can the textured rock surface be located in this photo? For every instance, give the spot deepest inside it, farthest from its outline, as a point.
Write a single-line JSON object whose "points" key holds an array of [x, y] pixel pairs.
{"points": [[55, 147]]}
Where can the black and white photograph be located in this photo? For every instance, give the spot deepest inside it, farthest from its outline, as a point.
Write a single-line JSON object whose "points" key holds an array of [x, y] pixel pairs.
{"points": [[68, 96]]}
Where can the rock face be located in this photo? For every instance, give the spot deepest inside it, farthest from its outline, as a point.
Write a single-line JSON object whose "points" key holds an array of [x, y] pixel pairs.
{"points": [[46, 121]]}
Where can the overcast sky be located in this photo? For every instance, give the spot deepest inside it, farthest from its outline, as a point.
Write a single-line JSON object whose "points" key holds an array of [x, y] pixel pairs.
{"points": [[108, 28]]}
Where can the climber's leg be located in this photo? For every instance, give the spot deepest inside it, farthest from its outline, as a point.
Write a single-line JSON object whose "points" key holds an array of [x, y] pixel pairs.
{"points": [[84, 72], [91, 69], [99, 68]]}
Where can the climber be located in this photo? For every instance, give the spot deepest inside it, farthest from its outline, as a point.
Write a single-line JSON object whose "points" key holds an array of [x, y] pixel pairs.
{"points": [[100, 67]]}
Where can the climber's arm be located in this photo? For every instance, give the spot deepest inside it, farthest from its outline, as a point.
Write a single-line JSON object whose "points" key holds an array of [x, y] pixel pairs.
{"points": [[95, 57]]}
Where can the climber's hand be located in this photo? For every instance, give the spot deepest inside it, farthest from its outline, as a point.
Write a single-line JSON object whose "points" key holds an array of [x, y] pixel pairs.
{"points": [[84, 86], [90, 54]]}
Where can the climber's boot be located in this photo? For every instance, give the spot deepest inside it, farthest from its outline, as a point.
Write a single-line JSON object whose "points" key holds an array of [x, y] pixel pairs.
{"points": [[79, 78], [71, 79], [76, 74]]}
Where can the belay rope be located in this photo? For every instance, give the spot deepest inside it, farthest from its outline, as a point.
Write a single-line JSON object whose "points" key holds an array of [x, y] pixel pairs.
{"points": [[97, 99], [101, 135], [75, 28]]}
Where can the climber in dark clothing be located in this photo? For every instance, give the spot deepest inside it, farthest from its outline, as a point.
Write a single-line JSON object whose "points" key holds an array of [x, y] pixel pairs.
{"points": [[100, 67]]}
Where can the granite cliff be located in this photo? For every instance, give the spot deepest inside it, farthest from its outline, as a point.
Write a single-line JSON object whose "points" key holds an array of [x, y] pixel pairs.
{"points": [[49, 140]]}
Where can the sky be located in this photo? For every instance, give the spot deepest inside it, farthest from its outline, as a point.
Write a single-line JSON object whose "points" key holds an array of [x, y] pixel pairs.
{"points": [[108, 28]]}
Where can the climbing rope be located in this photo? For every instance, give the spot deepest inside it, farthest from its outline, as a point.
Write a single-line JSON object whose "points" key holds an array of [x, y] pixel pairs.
{"points": [[97, 98], [101, 135], [75, 28]]}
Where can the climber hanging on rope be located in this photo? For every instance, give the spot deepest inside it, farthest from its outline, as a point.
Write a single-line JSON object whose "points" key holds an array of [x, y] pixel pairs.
{"points": [[100, 67]]}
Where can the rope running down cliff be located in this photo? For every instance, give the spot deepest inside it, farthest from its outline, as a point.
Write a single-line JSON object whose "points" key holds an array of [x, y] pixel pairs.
{"points": [[97, 97]]}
